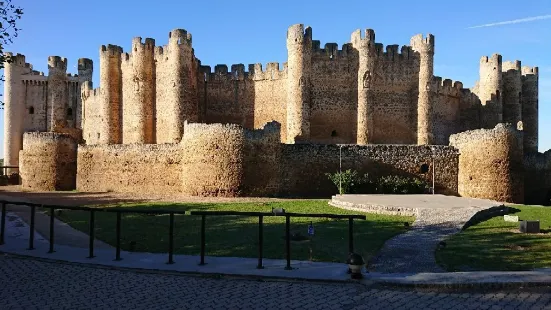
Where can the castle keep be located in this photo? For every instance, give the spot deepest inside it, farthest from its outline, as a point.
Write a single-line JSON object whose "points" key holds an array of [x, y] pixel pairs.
{"points": [[208, 129]]}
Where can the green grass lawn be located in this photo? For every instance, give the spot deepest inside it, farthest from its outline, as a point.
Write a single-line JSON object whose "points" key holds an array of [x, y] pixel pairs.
{"points": [[238, 236], [498, 245]]}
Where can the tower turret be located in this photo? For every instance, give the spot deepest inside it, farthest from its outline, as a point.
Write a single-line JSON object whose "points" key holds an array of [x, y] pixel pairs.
{"points": [[425, 103], [143, 63], [529, 98], [299, 63], [366, 68], [58, 93], [85, 71], [174, 77], [512, 91], [14, 109], [490, 91], [110, 94]]}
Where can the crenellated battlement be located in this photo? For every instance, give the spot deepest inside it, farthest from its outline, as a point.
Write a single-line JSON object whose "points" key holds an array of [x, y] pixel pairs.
{"points": [[111, 50], [273, 71], [447, 86], [179, 36], [530, 71], [495, 60], [298, 34], [57, 65], [147, 45], [511, 65], [85, 64], [423, 44], [18, 59]]}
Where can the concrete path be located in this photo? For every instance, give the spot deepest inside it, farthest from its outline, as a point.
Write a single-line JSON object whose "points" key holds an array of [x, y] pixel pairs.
{"points": [[437, 217]]}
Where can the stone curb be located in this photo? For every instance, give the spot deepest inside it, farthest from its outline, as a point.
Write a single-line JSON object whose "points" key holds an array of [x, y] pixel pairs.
{"points": [[184, 273]]}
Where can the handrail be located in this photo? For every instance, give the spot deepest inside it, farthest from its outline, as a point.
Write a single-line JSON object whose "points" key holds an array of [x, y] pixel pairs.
{"points": [[203, 214]]}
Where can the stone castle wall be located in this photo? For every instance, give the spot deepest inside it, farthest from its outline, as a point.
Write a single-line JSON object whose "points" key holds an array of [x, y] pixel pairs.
{"points": [[228, 160], [491, 163], [131, 168], [305, 165], [48, 161], [537, 181]]}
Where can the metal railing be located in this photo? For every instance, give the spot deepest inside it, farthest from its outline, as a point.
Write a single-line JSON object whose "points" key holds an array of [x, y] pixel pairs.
{"points": [[204, 214], [4, 169]]}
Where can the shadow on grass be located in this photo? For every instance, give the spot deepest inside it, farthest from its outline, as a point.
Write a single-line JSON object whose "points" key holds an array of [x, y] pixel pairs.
{"points": [[497, 245], [238, 236]]}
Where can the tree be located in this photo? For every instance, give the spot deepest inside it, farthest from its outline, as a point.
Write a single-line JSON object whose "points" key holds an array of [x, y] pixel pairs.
{"points": [[9, 15]]}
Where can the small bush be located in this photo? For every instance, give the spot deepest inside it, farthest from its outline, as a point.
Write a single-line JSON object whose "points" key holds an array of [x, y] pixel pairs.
{"points": [[349, 181], [395, 184], [346, 181]]}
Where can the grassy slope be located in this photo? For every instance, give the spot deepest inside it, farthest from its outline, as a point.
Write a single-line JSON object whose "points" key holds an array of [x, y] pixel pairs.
{"points": [[498, 245], [238, 236]]}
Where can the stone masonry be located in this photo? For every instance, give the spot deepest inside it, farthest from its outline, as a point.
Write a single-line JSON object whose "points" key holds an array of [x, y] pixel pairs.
{"points": [[362, 93]]}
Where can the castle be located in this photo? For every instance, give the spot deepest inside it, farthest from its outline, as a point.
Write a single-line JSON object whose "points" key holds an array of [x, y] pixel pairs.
{"points": [[157, 103]]}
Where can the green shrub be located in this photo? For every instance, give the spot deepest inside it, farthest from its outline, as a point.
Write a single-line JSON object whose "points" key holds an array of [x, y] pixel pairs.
{"points": [[349, 181], [346, 181], [395, 184]]}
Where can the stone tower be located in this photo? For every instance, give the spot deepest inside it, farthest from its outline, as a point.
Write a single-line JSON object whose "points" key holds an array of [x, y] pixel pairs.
{"points": [[139, 120], [299, 66], [85, 71], [425, 103], [512, 91], [174, 86], [58, 95], [14, 108], [110, 94], [490, 91], [529, 98], [366, 69]]}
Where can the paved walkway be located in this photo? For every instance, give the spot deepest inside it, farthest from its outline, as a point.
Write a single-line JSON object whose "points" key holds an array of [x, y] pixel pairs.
{"points": [[33, 284], [437, 217], [17, 241]]}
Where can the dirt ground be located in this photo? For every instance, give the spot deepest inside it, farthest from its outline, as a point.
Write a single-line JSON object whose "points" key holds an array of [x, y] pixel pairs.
{"points": [[74, 198]]}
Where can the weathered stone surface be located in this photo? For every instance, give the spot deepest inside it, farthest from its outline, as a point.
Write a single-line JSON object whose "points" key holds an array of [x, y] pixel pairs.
{"points": [[48, 161], [144, 168], [491, 163]]}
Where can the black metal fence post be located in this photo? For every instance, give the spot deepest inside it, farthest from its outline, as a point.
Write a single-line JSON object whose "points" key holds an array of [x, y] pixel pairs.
{"points": [[288, 241], [202, 239], [350, 235], [171, 239], [118, 257], [260, 241], [51, 230], [3, 223], [91, 234], [31, 229]]}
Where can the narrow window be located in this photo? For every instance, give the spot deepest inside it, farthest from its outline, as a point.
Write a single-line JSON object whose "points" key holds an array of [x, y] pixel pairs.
{"points": [[31, 110], [69, 113], [424, 168]]}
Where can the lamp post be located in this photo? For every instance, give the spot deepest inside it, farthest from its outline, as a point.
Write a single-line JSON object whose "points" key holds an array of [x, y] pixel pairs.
{"points": [[340, 169]]}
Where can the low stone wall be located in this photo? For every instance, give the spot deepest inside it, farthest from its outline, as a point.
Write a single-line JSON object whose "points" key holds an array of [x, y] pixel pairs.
{"points": [[138, 168], [491, 163], [48, 161], [227, 160], [304, 165], [537, 178]]}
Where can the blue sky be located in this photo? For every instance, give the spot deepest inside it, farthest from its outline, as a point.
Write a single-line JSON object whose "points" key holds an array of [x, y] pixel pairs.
{"points": [[230, 32]]}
